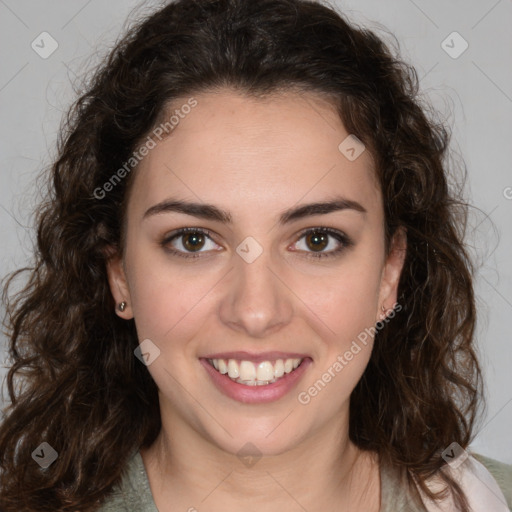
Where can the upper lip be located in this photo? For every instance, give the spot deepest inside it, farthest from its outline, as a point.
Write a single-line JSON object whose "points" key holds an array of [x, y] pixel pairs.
{"points": [[256, 357]]}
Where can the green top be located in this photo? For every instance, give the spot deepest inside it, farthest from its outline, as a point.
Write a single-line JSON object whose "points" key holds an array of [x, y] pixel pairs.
{"points": [[134, 492]]}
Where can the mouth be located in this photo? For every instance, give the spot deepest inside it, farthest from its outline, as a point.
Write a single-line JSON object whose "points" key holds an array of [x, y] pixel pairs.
{"points": [[256, 378], [250, 373]]}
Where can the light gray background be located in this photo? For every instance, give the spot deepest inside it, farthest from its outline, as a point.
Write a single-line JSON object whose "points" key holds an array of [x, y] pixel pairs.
{"points": [[473, 92]]}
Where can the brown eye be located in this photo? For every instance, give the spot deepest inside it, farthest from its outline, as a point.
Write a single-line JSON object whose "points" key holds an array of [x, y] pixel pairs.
{"points": [[322, 242], [190, 242], [193, 241], [317, 241]]}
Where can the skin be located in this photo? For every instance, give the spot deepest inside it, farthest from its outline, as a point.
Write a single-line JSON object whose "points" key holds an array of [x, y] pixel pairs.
{"points": [[256, 158]]}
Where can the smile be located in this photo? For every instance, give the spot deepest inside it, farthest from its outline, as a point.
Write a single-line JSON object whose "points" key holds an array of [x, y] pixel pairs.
{"points": [[255, 374], [255, 378]]}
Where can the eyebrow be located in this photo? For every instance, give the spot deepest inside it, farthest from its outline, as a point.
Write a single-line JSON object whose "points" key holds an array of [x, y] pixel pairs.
{"points": [[211, 212]]}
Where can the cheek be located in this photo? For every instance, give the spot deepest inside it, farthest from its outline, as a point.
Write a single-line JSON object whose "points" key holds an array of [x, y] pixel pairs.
{"points": [[168, 303], [346, 300], [347, 306]]}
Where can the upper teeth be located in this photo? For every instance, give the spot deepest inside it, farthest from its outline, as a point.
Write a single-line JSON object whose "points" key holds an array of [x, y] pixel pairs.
{"points": [[247, 372]]}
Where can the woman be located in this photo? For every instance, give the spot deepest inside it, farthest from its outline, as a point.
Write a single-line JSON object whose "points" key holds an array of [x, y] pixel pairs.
{"points": [[251, 287]]}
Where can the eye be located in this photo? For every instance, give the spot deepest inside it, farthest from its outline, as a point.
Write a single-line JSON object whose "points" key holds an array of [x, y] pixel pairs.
{"points": [[187, 241], [323, 242]]}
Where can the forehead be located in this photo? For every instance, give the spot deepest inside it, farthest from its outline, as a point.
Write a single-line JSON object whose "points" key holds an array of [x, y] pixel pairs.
{"points": [[246, 153]]}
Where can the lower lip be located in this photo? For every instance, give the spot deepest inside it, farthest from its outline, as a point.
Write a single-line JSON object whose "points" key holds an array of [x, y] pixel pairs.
{"points": [[256, 394]]}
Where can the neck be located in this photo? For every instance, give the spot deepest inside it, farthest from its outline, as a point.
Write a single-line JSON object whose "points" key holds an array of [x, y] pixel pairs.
{"points": [[185, 469]]}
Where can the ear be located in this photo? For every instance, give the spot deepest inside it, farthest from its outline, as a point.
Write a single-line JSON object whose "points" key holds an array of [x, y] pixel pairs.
{"points": [[119, 286], [391, 272]]}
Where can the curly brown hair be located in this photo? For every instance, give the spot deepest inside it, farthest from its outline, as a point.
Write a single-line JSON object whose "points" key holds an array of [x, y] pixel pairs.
{"points": [[74, 381]]}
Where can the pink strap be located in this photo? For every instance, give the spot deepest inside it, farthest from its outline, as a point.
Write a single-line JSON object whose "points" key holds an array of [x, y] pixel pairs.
{"points": [[481, 489]]}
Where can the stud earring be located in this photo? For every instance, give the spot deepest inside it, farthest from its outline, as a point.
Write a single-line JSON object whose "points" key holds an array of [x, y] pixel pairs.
{"points": [[122, 306]]}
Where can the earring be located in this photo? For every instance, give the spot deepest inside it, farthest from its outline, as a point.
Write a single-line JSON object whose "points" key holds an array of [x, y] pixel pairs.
{"points": [[122, 306]]}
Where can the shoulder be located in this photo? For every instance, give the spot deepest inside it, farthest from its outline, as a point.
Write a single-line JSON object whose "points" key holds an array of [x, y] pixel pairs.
{"points": [[501, 472], [114, 503], [133, 491], [486, 483]]}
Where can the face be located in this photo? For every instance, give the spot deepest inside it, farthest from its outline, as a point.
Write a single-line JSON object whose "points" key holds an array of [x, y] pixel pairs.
{"points": [[283, 263]]}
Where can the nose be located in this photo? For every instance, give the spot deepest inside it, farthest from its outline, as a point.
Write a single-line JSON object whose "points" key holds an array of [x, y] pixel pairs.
{"points": [[257, 301]]}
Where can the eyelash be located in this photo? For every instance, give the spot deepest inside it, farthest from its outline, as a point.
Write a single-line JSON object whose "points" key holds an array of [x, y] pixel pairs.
{"points": [[341, 237]]}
